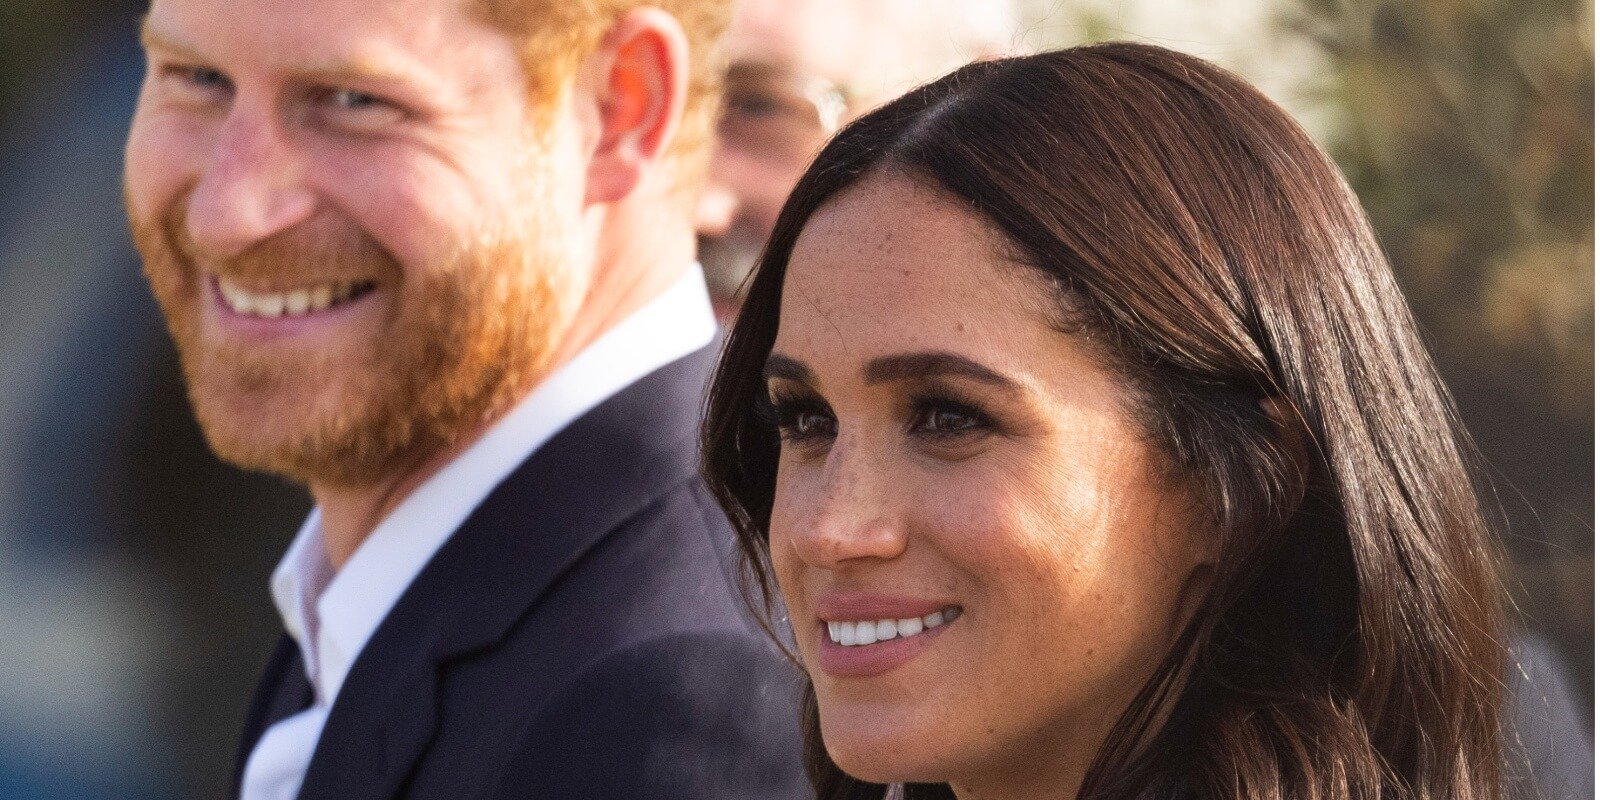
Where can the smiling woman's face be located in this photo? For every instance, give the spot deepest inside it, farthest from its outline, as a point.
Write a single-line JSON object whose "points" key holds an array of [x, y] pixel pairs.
{"points": [[962, 487]]}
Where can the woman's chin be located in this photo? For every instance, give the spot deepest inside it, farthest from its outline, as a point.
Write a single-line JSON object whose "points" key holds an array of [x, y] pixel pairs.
{"points": [[878, 751]]}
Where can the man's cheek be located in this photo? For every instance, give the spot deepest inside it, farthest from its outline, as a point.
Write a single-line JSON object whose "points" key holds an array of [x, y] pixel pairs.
{"points": [[161, 158]]}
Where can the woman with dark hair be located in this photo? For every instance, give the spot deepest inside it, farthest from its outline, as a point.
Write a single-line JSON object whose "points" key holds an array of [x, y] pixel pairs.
{"points": [[1077, 417]]}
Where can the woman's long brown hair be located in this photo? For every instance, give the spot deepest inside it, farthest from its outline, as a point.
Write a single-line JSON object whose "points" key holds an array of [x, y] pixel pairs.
{"points": [[1351, 643]]}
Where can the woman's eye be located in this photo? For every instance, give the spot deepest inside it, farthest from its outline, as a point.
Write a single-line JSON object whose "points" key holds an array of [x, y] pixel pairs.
{"points": [[947, 419], [803, 424], [810, 423], [800, 420]]}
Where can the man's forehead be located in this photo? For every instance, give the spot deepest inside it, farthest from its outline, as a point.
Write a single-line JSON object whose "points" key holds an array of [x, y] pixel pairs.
{"points": [[337, 36]]}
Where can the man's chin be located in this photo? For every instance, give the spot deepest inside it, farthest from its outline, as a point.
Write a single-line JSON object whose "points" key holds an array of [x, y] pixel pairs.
{"points": [[288, 454], [301, 440]]}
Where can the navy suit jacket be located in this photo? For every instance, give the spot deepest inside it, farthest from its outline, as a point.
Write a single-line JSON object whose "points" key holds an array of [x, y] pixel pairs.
{"points": [[580, 636]]}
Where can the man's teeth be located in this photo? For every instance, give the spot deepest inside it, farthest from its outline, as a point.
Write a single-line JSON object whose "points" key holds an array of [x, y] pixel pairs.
{"points": [[867, 631], [307, 300]]}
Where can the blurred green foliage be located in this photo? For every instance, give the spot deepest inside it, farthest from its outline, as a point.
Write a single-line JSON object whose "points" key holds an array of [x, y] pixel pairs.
{"points": [[1470, 139]]}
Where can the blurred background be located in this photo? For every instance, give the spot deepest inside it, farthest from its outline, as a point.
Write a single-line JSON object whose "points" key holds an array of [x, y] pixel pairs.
{"points": [[134, 612]]}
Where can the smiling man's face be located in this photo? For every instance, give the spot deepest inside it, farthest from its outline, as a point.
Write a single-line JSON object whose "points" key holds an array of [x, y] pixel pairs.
{"points": [[362, 234]]}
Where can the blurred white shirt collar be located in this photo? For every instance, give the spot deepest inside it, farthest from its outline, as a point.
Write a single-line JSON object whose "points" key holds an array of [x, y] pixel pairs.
{"points": [[331, 615]]}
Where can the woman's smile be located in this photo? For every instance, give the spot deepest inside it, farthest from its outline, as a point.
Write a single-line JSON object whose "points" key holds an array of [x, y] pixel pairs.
{"points": [[861, 635]]}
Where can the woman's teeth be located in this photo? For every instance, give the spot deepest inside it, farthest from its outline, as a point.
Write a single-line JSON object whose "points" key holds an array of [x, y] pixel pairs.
{"points": [[306, 300], [855, 634]]}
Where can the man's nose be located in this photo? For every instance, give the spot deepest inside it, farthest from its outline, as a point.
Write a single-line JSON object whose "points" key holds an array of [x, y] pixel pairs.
{"points": [[253, 186], [854, 517]]}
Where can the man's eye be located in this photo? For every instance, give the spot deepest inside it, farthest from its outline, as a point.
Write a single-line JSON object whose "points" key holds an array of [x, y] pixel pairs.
{"points": [[353, 100], [754, 105], [197, 83], [206, 76], [357, 110]]}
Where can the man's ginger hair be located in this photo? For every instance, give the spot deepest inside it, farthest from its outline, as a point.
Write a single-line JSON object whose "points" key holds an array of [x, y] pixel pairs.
{"points": [[556, 35]]}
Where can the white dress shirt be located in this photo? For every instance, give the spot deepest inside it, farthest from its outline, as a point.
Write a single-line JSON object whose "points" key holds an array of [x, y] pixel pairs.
{"points": [[331, 614]]}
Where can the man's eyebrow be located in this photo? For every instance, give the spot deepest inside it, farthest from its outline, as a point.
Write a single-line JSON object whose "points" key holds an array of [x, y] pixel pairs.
{"points": [[153, 39], [365, 67], [786, 368], [933, 364]]}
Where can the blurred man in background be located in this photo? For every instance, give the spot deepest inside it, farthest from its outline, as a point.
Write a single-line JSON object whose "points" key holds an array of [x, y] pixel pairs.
{"points": [[799, 69], [437, 264]]}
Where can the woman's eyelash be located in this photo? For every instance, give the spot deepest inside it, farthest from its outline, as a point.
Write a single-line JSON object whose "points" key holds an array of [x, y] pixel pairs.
{"points": [[786, 411], [805, 418], [943, 415]]}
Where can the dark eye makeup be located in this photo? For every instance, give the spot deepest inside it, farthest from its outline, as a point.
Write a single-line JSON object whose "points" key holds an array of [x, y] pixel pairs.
{"points": [[933, 414], [943, 415], [797, 417]]}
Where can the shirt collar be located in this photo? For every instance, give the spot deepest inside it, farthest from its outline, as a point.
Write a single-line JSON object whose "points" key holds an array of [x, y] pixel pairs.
{"points": [[332, 615]]}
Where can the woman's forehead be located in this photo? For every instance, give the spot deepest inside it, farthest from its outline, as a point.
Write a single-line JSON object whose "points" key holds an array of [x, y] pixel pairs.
{"points": [[892, 251], [891, 267], [893, 260]]}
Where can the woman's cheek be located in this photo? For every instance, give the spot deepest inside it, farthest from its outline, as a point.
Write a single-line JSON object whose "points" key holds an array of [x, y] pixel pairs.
{"points": [[789, 514]]}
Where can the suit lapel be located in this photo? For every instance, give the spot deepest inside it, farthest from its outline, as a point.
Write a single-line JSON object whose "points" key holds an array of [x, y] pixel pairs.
{"points": [[284, 690], [598, 472]]}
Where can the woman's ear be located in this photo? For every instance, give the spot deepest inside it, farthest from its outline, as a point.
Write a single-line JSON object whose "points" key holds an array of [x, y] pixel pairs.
{"points": [[1293, 436], [641, 74]]}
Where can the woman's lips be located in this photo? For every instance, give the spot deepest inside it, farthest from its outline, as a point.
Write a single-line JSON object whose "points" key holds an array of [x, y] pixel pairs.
{"points": [[859, 645]]}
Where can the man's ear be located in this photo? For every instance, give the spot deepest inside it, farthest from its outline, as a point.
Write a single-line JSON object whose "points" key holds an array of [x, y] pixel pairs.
{"points": [[641, 75]]}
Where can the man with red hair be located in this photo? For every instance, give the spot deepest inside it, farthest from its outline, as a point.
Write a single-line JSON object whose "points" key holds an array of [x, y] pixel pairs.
{"points": [[436, 261]]}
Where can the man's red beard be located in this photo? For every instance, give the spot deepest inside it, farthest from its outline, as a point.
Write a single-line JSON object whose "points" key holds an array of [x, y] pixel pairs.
{"points": [[457, 345]]}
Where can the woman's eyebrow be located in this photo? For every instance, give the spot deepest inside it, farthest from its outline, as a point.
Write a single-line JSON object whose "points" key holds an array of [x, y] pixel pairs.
{"points": [[786, 368], [933, 364]]}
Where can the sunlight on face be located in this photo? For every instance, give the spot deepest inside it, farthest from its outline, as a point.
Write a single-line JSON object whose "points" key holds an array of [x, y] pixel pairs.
{"points": [[360, 246], [961, 486]]}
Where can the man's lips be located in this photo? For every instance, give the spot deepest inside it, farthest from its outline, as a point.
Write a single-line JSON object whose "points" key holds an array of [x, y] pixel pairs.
{"points": [[298, 316], [308, 299]]}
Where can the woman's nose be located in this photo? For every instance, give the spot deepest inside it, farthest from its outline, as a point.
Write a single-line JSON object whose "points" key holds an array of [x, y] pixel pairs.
{"points": [[850, 516]]}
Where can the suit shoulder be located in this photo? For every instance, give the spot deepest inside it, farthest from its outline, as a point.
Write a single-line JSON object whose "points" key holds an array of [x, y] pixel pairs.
{"points": [[677, 554], [699, 714]]}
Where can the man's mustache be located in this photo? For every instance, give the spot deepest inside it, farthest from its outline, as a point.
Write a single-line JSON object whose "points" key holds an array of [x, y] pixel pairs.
{"points": [[321, 249]]}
